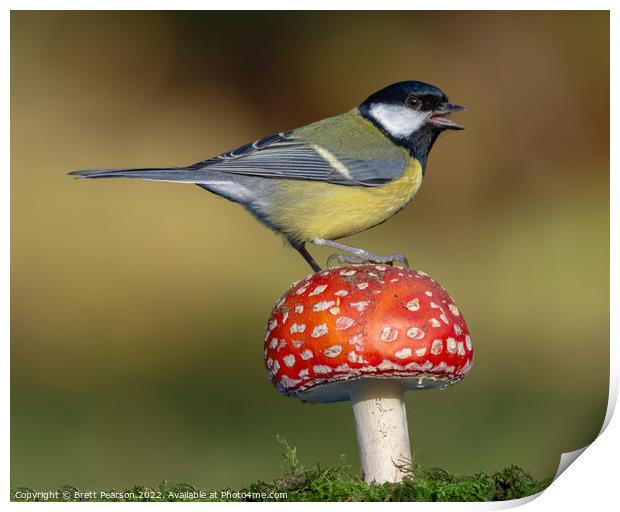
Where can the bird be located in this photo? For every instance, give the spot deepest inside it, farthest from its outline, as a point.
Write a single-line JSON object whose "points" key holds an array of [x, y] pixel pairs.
{"points": [[329, 179]]}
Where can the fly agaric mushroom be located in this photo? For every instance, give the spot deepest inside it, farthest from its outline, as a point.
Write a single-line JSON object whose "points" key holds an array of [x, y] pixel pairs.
{"points": [[368, 333]]}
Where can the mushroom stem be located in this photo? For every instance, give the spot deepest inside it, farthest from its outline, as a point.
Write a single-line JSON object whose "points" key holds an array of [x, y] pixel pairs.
{"points": [[382, 433]]}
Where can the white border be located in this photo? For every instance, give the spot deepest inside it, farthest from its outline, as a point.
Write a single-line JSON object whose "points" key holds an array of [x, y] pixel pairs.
{"points": [[586, 483]]}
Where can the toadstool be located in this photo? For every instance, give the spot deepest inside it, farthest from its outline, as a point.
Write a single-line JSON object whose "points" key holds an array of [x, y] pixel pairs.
{"points": [[368, 333]]}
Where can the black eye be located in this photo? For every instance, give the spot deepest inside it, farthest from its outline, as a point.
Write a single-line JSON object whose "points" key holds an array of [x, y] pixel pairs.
{"points": [[413, 102]]}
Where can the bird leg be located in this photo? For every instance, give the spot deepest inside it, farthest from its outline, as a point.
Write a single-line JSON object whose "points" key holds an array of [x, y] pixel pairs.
{"points": [[357, 255], [300, 247]]}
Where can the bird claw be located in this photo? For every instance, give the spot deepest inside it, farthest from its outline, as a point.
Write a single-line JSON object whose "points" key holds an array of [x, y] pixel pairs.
{"points": [[350, 259], [334, 260]]}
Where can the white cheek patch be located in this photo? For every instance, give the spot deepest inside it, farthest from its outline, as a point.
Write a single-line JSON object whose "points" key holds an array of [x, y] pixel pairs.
{"points": [[398, 120]]}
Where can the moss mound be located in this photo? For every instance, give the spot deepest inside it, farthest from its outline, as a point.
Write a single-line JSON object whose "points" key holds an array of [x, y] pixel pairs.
{"points": [[325, 484]]}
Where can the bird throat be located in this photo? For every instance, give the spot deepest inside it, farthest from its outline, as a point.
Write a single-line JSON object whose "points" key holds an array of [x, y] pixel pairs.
{"points": [[418, 143]]}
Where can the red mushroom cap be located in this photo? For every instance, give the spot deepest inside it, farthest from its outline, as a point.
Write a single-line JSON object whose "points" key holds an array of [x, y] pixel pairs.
{"points": [[369, 321]]}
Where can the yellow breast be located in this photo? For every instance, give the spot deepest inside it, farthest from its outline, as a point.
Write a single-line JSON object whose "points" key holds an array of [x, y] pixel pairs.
{"points": [[306, 210]]}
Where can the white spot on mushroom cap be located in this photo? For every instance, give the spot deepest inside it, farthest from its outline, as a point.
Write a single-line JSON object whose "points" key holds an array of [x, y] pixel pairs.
{"points": [[319, 330], [282, 344], [344, 322], [362, 286], [344, 367], [348, 272], [368, 369], [444, 318], [434, 322], [460, 348], [389, 334], [273, 343], [420, 351], [380, 268], [436, 347], [341, 293], [302, 290], [323, 305], [299, 308], [413, 305], [284, 317], [433, 305], [444, 368], [306, 354], [272, 324], [457, 329], [269, 363], [354, 357], [321, 369], [303, 374], [386, 364], [286, 382], [451, 345], [429, 293], [297, 328], [417, 367], [334, 310], [289, 360], [357, 339], [333, 351], [297, 343], [466, 368], [275, 367], [455, 311], [403, 353], [415, 333], [318, 290], [468, 342], [361, 305]]}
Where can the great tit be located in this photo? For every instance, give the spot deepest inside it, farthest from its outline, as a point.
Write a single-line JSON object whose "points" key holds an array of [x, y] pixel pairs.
{"points": [[329, 179]]}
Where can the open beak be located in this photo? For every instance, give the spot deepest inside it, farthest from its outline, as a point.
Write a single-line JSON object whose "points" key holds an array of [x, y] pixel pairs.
{"points": [[439, 117]]}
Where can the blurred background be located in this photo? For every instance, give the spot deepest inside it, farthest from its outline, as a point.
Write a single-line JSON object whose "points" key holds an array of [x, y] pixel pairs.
{"points": [[138, 307]]}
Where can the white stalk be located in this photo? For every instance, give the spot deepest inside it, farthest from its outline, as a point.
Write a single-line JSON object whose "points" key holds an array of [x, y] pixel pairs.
{"points": [[382, 433]]}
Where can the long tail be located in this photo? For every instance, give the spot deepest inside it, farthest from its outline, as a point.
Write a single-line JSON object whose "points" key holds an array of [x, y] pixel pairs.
{"points": [[241, 189], [176, 174]]}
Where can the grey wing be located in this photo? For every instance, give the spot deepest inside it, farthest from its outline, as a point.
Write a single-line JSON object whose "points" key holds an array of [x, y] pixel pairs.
{"points": [[279, 156], [285, 157]]}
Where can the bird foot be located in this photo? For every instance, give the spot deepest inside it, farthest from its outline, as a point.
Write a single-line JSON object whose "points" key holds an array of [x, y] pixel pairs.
{"points": [[367, 257]]}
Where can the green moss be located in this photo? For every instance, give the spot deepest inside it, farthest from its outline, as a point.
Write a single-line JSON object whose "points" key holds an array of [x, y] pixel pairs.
{"points": [[329, 484]]}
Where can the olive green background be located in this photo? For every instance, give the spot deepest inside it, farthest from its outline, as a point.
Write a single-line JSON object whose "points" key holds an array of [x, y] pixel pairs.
{"points": [[138, 308]]}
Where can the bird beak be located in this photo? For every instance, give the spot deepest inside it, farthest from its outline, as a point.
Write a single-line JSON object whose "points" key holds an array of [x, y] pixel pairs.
{"points": [[439, 119]]}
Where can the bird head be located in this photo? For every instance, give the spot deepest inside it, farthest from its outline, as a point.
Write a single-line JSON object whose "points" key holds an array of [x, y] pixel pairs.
{"points": [[411, 114]]}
